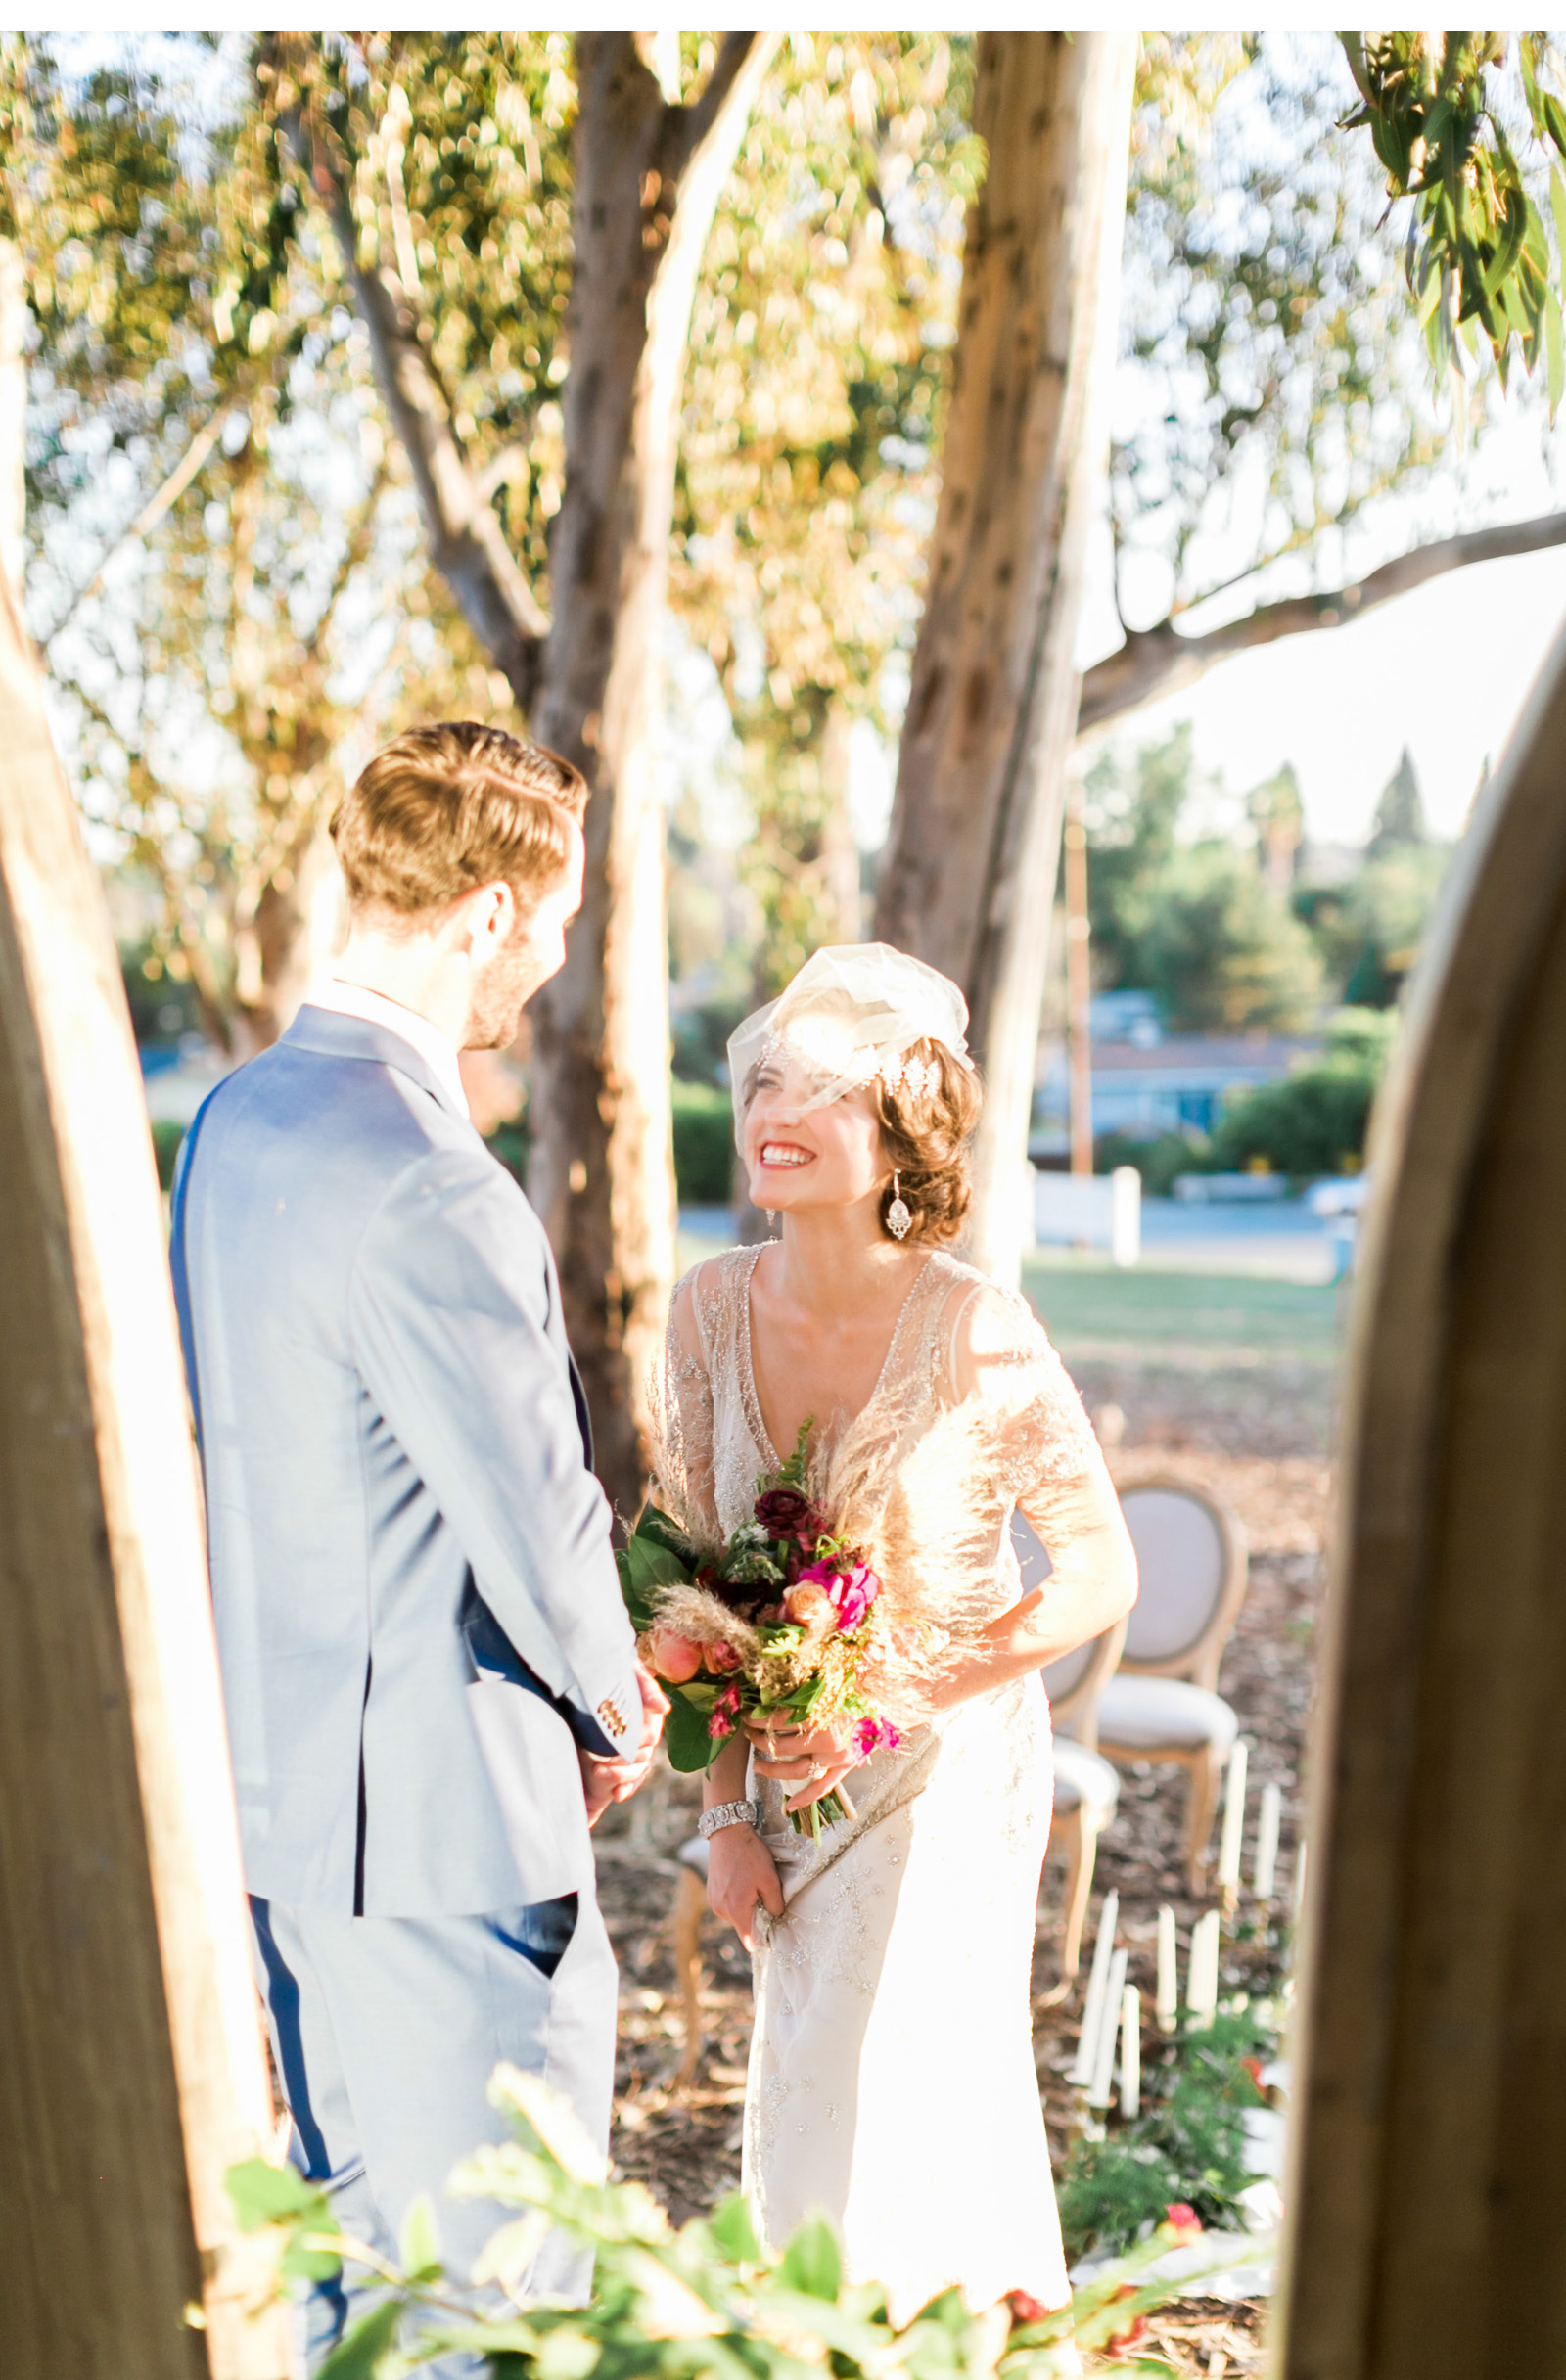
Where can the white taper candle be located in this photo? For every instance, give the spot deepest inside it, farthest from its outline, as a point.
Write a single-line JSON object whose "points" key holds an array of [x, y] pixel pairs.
{"points": [[1168, 1997], [1100, 2089], [1201, 1990], [1082, 2069], [1228, 1857], [1131, 2051], [1267, 1842]]}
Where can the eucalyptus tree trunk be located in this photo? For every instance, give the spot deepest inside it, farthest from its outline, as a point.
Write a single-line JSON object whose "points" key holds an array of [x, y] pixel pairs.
{"points": [[970, 868], [648, 178], [602, 1166]]}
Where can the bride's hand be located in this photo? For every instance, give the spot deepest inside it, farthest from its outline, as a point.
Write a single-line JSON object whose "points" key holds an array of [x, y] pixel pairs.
{"points": [[815, 1762], [739, 1874]]}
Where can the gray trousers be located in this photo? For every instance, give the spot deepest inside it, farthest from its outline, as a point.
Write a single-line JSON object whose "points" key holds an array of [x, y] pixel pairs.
{"points": [[386, 2032]]}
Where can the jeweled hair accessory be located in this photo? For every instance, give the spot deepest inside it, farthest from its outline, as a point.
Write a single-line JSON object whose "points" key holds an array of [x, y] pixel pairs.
{"points": [[852, 1015]]}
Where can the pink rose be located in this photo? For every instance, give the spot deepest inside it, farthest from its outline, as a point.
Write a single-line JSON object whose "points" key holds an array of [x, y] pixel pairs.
{"points": [[725, 1715], [1182, 2219], [850, 1593], [723, 1659], [809, 1606], [673, 1658]]}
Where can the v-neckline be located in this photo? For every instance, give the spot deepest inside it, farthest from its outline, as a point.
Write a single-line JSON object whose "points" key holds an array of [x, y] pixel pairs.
{"points": [[748, 1392]]}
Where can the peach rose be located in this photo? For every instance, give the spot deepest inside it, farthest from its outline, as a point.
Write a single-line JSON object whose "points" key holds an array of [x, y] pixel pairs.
{"points": [[675, 1658], [811, 1607]]}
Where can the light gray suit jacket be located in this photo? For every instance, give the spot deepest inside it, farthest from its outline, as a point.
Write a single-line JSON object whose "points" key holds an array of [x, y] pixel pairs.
{"points": [[417, 1608]]}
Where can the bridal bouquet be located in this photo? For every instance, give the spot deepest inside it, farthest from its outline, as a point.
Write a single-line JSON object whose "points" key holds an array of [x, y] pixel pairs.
{"points": [[785, 1622]]}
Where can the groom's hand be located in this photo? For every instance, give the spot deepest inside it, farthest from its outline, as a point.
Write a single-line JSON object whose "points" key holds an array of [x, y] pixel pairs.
{"points": [[606, 1781]]}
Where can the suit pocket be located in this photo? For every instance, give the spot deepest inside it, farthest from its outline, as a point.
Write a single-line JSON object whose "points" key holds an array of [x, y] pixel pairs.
{"points": [[531, 1762]]}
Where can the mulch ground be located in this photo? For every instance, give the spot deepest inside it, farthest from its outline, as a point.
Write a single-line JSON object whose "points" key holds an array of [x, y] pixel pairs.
{"points": [[1261, 1437]]}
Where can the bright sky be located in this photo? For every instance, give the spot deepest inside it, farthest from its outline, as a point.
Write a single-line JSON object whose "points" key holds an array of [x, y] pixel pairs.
{"points": [[1444, 670]]}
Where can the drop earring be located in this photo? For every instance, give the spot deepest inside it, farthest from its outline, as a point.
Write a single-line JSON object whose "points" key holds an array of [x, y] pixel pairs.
{"points": [[899, 1214]]}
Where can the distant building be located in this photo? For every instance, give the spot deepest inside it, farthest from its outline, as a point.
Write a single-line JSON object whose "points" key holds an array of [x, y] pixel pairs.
{"points": [[1147, 1083]]}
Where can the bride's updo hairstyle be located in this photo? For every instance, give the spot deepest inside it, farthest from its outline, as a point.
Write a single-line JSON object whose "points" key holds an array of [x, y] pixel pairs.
{"points": [[864, 1016], [927, 1132]]}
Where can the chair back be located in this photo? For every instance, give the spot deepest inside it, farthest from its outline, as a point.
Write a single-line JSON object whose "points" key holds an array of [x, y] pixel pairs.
{"points": [[1192, 1563], [1075, 1682]]}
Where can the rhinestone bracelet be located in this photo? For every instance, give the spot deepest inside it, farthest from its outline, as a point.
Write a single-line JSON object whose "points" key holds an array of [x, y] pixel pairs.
{"points": [[728, 1813]]}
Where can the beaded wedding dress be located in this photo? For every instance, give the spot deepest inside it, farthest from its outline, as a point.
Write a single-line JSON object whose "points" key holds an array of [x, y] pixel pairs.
{"points": [[891, 2081]]}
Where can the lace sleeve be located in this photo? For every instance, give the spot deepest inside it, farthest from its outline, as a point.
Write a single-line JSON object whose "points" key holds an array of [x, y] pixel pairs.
{"points": [[682, 1416], [1001, 1357]]}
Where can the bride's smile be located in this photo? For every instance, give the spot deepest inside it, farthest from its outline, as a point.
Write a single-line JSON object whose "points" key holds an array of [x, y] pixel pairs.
{"points": [[804, 1157]]}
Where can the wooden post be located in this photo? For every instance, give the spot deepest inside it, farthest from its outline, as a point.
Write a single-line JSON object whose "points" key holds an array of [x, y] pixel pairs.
{"points": [[131, 2068], [1428, 2187]]}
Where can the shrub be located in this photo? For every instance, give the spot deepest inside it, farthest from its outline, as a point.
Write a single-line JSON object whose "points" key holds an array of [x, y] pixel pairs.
{"points": [[1316, 1121], [704, 1144], [1158, 1160]]}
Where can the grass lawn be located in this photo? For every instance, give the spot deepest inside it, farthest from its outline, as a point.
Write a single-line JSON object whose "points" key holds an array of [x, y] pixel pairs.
{"points": [[1089, 1306]]}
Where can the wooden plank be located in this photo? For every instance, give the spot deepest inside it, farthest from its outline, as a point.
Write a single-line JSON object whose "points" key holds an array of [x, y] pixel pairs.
{"points": [[1428, 2190], [131, 2068]]}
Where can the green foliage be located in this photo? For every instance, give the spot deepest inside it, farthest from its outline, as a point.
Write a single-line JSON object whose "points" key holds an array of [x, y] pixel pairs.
{"points": [[1479, 254], [168, 1139], [1158, 1162], [1368, 931], [1197, 923], [1275, 366], [1400, 820], [704, 1143], [1222, 949], [1187, 2144], [1316, 1121], [820, 356], [665, 2306]]}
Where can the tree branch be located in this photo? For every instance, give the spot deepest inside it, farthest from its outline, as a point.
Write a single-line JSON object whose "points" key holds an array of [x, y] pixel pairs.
{"points": [[1154, 662], [685, 128], [165, 500], [467, 543]]}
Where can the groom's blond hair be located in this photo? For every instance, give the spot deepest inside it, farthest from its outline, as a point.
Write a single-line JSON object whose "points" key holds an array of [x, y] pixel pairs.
{"points": [[443, 808]]}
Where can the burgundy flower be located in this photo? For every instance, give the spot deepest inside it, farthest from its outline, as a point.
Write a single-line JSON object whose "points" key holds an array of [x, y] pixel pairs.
{"points": [[788, 1512]]}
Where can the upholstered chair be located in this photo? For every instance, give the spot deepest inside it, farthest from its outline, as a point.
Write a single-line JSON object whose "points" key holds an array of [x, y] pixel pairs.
{"points": [[1162, 1702], [1086, 1787]]}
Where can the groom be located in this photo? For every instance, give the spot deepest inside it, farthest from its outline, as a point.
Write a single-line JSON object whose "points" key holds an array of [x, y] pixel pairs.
{"points": [[431, 1684]]}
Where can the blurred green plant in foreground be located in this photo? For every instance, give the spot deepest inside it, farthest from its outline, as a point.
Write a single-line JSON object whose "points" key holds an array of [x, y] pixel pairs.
{"points": [[707, 2299]]}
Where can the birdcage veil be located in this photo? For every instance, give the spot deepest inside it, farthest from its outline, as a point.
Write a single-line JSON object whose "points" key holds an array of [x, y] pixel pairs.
{"points": [[851, 1013]]}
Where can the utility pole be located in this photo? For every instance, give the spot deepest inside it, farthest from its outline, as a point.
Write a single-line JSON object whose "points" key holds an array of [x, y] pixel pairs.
{"points": [[1079, 984]]}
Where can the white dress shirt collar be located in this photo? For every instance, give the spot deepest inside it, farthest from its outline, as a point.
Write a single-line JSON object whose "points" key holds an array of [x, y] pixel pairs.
{"points": [[373, 1008]]}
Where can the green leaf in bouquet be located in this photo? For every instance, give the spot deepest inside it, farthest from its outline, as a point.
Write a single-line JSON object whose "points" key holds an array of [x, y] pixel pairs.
{"points": [[811, 2260], [685, 1737], [644, 1566], [793, 1473], [658, 1528]]}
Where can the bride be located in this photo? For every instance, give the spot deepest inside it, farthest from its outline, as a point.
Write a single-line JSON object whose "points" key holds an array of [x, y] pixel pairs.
{"points": [[891, 2081]]}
